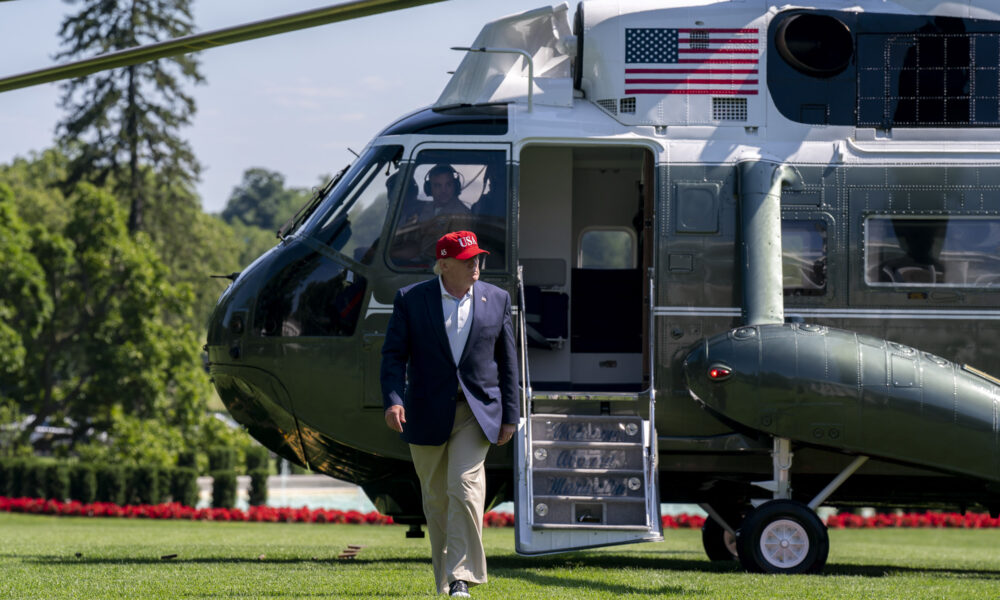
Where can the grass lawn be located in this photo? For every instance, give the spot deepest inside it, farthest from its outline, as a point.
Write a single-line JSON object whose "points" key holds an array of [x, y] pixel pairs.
{"points": [[121, 558]]}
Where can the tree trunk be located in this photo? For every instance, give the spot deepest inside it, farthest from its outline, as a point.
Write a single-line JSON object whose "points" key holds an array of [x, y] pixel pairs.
{"points": [[132, 135]]}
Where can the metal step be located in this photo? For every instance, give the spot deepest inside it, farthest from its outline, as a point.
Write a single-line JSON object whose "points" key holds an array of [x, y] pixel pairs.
{"points": [[588, 472], [586, 428], [597, 455], [589, 396]]}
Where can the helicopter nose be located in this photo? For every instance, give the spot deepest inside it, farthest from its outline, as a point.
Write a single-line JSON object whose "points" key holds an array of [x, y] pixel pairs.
{"points": [[258, 401], [253, 395], [280, 335]]}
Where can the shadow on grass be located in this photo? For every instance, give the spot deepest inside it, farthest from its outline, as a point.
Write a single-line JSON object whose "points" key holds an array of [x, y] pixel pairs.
{"points": [[531, 569], [203, 560]]}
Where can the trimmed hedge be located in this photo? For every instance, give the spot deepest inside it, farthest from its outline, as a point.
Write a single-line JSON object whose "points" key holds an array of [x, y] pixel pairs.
{"points": [[221, 458], [187, 460], [164, 482], [143, 485], [55, 481], [82, 483], [184, 486], [258, 487], [6, 465], [32, 480], [258, 458], [223, 488], [111, 484]]}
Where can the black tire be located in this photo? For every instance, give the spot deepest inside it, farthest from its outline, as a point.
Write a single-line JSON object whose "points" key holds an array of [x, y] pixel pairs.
{"points": [[783, 536], [719, 544]]}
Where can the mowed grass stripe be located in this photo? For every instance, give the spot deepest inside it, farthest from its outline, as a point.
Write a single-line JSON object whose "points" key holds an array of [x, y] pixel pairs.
{"points": [[121, 558]]}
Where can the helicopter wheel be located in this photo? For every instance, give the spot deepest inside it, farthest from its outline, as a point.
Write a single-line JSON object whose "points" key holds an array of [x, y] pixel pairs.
{"points": [[719, 544], [783, 536]]}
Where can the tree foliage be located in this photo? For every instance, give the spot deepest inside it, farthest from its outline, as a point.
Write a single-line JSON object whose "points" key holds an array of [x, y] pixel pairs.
{"points": [[104, 329], [100, 330], [121, 120], [24, 305], [262, 200], [194, 246]]}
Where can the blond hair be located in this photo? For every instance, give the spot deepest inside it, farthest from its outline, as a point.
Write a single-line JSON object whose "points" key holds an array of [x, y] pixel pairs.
{"points": [[437, 266]]}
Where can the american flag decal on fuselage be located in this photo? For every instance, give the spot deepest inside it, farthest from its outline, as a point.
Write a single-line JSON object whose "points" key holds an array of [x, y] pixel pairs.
{"points": [[719, 62]]}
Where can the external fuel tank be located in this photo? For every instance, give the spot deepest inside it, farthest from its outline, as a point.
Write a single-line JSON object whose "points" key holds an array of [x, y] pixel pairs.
{"points": [[843, 390]]}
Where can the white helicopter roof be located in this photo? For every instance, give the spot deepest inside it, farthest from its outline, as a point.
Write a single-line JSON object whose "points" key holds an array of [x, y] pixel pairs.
{"points": [[652, 63], [485, 77]]}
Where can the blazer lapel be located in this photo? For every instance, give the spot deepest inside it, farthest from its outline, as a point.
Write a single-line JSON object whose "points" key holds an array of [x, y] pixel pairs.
{"points": [[433, 297], [479, 306]]}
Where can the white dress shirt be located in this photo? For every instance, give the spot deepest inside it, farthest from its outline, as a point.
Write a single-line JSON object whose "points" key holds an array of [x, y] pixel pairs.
{"points": [[457, 319]]}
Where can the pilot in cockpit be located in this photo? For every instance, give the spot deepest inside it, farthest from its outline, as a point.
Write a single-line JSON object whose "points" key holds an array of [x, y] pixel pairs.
{"points": [[423, 222], [442, 185]]}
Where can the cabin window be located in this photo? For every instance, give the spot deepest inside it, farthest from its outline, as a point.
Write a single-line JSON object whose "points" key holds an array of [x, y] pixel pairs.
{"points": [[451, 190], [803, 258], [351, 217], [949, 252], [607, 248]]}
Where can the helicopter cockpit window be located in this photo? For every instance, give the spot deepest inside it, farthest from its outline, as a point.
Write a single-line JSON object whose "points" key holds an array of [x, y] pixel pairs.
{"points": [[351, 217], [451, 190], [950, 252], [311, 296], [803, 258]]}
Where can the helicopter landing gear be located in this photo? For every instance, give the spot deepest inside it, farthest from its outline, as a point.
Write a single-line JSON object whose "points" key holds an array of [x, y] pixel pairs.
{"points": [[783, 536], [718, 534], [415, 531]]}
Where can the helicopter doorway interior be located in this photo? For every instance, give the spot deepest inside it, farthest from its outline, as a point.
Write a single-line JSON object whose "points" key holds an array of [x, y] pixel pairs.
{"points": [[585, 452], [582, 211]]}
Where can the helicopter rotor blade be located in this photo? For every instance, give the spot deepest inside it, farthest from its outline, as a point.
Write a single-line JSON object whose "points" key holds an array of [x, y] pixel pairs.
{"points": [[210, 39]]}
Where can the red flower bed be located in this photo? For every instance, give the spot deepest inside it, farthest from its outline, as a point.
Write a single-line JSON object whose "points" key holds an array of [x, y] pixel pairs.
{"points": [[174, 510], [924, 519], [268, 514]]}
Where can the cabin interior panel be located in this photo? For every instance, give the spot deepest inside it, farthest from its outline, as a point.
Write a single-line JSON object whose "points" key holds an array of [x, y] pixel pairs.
{"points": [[579, 229], [545, 250]]}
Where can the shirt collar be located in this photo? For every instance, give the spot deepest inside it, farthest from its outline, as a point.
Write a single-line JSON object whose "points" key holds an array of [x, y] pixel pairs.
{"points": [[445, 294]]}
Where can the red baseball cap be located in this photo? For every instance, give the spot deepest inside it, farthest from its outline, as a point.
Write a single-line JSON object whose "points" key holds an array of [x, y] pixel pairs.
{"points": [[459, 244]]}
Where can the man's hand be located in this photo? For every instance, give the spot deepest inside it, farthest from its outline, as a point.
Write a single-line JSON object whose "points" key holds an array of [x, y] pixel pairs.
{"points": [[506, 432], [395, 416]]}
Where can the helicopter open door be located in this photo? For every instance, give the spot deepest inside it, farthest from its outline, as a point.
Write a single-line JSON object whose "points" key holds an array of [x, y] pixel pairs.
{"points": [[586, 473]]}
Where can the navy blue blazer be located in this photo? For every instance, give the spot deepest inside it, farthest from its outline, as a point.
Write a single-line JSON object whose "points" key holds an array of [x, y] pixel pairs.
{"points": [[418, 370]]}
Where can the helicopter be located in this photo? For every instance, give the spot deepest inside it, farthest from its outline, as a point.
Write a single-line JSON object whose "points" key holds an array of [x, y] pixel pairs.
{"points": [[754, 253]]}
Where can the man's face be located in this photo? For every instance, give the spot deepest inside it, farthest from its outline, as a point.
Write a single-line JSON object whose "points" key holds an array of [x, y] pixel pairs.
{"points": [[460, 274], [442, 187]]}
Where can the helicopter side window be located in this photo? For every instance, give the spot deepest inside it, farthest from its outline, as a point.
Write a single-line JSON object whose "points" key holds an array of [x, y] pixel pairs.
{"points": [[451, 190], [950, 252], [803, 258], [607, 249], [352, 215]]}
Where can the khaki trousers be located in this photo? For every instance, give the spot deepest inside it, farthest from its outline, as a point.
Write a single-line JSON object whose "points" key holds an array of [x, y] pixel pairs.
{"points": [[453, 484]]}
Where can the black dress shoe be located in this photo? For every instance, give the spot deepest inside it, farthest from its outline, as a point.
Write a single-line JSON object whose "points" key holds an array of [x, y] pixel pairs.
{"points": [[458, 589]]}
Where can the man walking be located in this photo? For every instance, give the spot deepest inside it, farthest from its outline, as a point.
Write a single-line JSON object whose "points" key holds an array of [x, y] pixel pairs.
{"points": [[449, 386]]}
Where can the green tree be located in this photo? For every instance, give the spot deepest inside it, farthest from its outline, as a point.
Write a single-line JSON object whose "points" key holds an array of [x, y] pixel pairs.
{"points": [[122, 120], [253, 241], [193, 246], [118, 334], [34, 182], [262, 200], [24, 303]]}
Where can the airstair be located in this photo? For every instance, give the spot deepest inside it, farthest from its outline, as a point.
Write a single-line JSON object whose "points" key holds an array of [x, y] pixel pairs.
{"points": [[586, 468]]}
